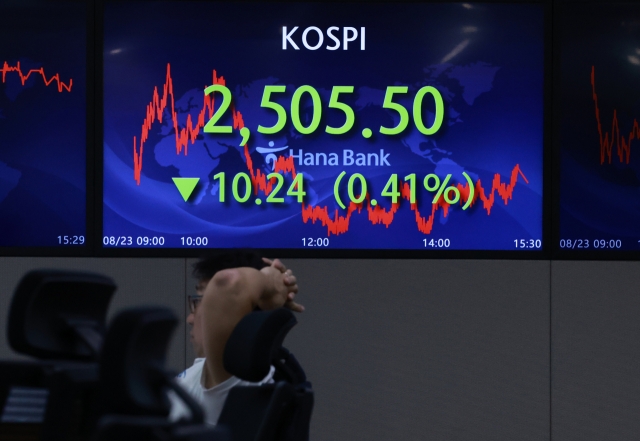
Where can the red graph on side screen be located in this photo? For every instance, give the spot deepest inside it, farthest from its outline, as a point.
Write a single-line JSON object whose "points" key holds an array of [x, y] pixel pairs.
{"points": [[614, 139], [335, 223], [5, 69]]}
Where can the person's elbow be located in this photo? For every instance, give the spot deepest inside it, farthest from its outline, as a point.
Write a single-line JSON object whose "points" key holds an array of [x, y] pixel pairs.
{"points": [[232, 286]]}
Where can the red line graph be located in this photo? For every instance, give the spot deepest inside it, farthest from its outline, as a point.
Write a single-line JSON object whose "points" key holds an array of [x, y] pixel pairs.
{"points": [[184, 136], [24, 77], [335, 224], [378, 215], [607, 142]]}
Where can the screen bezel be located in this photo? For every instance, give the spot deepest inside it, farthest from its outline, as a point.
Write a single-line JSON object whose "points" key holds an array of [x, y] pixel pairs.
{"points": [[542, 254], [88, 249], [558, 253]]}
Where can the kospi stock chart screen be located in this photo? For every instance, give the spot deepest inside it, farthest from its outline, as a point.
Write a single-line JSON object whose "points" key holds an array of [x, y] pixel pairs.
{"points": [[377, 126], [599, 47], [43, 135]]}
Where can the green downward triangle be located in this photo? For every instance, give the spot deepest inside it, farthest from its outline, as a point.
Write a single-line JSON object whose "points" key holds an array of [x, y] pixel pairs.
{"points": [[186, 186]]}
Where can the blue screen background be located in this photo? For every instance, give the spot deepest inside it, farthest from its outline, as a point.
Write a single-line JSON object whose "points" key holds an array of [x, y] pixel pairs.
{"points": [[485, 60], [42, 131]]}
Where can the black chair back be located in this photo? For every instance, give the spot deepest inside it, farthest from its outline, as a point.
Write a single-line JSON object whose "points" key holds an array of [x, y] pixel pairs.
{"points": [[59, 317], [134, 384], [278, 411], [57, 314], [132, 378]]}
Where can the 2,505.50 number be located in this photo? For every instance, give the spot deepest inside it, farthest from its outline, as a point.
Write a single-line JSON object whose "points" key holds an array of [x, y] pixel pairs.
{"points": [[334, 103]]}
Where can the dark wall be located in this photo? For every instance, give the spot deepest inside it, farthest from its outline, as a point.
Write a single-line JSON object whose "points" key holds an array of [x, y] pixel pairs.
{"points": [[436, 349], [596, 351]]}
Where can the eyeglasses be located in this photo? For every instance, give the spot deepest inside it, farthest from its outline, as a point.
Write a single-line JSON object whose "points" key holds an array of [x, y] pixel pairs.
{"points": [[194, 301]]}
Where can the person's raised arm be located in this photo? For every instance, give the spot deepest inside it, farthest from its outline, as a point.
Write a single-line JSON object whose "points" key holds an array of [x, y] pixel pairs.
{"points": [[230, 295]]}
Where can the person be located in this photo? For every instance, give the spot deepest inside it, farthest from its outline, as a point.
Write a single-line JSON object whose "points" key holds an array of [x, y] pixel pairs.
{"points": [[230, 286]]}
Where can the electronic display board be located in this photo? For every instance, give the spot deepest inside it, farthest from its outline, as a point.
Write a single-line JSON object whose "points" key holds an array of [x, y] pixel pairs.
{"points": [[413, 126], [597, 137], [43, 125]]}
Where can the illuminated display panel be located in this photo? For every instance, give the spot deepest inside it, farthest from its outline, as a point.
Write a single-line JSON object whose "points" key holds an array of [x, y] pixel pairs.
{"points": [[43, 133], [599, 111], [415, 126]]}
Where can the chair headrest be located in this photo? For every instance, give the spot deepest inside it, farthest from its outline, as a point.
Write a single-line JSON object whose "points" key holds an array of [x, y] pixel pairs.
{"points": [[132, 378], [254, 343], [59, 314]]}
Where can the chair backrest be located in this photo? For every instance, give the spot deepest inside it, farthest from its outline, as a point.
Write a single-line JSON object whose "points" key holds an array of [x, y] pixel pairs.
{"points": [[134, 383], [278, 411], [132, 380], [54, 315], [57, 314], [255, 342]]}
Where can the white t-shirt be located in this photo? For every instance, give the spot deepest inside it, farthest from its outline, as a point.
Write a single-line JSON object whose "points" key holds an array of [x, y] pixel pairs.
{"points": [[212, 400]]}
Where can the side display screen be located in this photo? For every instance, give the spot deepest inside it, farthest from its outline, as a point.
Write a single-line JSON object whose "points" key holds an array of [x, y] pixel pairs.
{"points": [[413, 126], [598, 138], [43, 134]]}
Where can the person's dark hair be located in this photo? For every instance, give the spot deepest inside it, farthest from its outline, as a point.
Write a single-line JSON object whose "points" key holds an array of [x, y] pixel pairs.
{"points": [[210, 264]]}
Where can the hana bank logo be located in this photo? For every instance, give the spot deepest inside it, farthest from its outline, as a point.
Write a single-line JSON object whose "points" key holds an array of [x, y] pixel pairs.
{"points": [[270, 153]]}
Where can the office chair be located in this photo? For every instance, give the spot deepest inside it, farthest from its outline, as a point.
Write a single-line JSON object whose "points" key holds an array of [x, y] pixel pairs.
{"points": [[57, 317], [278, 411], [60, 314], [134, 384]]}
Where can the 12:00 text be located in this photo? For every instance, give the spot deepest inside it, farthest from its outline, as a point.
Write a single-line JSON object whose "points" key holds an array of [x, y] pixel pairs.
{"points": [[318, 242]]}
